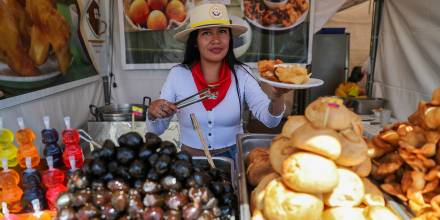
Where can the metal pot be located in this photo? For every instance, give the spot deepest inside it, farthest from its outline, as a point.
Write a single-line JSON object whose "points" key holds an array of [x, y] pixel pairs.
{"points": [[119, 112]]}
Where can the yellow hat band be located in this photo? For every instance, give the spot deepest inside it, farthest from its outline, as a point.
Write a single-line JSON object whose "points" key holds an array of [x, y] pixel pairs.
{"points": [[210, 22]]}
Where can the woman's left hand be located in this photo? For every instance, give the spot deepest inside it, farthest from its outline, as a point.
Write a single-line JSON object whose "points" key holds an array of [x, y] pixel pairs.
{"points": [[278, 92]]}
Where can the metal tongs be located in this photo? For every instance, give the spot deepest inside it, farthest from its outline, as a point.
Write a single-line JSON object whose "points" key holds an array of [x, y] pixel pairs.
{"points": [[198, 97]]}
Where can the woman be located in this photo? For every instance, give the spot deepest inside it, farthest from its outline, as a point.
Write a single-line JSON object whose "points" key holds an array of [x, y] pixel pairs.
{"points": [[209, 61]]}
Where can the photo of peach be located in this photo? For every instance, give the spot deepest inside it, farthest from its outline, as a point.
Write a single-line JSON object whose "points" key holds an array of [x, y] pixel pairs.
{"points": [[144, 15]]}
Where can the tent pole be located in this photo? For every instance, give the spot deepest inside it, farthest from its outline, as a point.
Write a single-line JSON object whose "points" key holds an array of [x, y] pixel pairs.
{"points": [[377, 17]]}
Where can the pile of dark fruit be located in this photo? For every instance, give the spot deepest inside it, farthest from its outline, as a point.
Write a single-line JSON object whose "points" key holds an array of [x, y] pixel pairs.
{"points": [[148, 180]]}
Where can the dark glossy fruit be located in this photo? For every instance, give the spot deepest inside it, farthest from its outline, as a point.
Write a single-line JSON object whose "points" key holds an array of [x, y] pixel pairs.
{"points": [[145, 153], [137, 184], [64, 200], [117, 185], [182, 169], [77, 181], [199, 194], [153, 200], [95, 153], [217, 188], [153, 213], [108, 150], [176, 200], [125, 155], [168, 148], [66, 214], [190, 182], [227, 186], [112, 166], [98, 168], [151, 187], [152, 140], [226, 210], [107, 177], [137, 169], [131, 140], [101, 197], [228, 199], [153, 159], [162, 164], [123, 173], [170, 182], [119, 200], [81, 197], [108, 212], [201, 178], [87, 167], [191, 211], [87, 212], [182, 155], [172, 215], [135, 205], [153, 175]]}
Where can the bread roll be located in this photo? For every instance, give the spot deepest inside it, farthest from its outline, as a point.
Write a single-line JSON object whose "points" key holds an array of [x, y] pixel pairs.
{"points": [[257, 170], [363, 169], [258, 215], [293, 123], [280, 149], [349, 191], [257, 154], [257, 195], [280, 203], [379, 213], [309, 173], [354, 150], [325, 142], [330, 112], [373, 196], [390, 137], [343, 213]]}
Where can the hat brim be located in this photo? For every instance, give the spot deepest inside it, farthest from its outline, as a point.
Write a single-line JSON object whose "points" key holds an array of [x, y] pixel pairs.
{"points": [[236, 29]]}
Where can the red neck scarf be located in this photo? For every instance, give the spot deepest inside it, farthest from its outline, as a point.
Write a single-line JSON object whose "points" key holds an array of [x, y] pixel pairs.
{"points": [[221, 86]]}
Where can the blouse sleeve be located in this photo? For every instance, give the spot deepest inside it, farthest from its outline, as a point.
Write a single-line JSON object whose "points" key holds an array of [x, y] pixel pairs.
{"points": [[259, 102], [168, 93]]}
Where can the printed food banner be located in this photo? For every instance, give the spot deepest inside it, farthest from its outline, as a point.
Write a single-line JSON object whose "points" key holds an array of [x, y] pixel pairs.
{"points": [[46, 43], [276, 29]]}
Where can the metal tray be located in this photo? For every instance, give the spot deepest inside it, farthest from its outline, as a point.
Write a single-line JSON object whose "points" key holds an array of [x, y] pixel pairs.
{"points": [[246, 143], [225, 164]]}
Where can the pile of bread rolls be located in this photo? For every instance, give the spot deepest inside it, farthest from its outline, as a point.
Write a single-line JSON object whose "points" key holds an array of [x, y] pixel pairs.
{"points": [[316, 169], [406, 158]]}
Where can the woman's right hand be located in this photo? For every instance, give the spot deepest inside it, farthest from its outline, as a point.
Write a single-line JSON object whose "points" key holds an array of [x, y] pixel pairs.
{"points": [[161, 108]]}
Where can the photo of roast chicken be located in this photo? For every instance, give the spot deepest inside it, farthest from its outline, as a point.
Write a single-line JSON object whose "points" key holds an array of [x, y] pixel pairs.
{"points": [[29, 31]]}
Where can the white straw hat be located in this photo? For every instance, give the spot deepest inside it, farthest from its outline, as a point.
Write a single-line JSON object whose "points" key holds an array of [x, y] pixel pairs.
{"points": [[209, 15]]}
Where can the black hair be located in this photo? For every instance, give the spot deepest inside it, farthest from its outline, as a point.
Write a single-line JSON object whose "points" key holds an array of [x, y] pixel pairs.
{"points": [[356, 74]]}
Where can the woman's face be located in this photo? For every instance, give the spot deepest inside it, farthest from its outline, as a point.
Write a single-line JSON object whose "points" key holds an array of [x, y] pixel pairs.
{"points": [[213, 43]]}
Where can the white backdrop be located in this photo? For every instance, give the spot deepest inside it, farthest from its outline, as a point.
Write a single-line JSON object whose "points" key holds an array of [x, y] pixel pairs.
{"points": [[408, 61]]}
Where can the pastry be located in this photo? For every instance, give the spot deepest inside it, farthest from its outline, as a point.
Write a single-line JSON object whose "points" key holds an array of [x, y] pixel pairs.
{"points": [[373, 196], [379, 213], [343, 213], [280, 149], [330, 112], [349, 191], [309, 173], [257, 170], [257, 154], [325, 142], [293, 123], [280, 203], [353, 149], [257, 195], [363, 169]]}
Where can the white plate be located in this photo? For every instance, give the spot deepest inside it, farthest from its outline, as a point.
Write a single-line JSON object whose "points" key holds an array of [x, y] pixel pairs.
{"points": [[278, 27], [313, 82], [246, 37], [48, 70]]}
